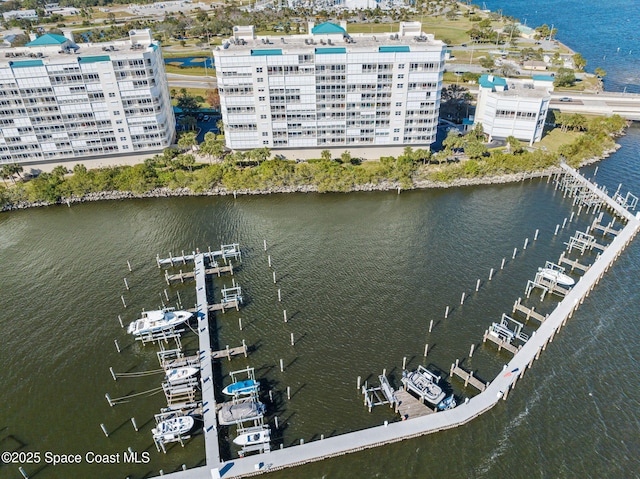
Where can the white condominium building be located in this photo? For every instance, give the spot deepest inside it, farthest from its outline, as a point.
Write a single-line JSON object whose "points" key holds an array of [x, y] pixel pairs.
{"points": [[329, 89], [513, 107], [61, 101]]}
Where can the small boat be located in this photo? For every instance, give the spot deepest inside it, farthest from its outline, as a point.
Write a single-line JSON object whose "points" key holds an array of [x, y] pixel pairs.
{"points": [[172, 428], [253, 437], [158, 320], [556, 276], [178, 375], [242, 388], [247, 410], [447, 403], [424, 383]]}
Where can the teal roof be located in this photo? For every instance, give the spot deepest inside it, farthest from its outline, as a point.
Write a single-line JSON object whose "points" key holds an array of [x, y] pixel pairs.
{"points": [[26, 63], [328, 27], [262, 53], [48, 39], [485, 82], [543, 78], [98, 58], [399, 48], [325, 51]]}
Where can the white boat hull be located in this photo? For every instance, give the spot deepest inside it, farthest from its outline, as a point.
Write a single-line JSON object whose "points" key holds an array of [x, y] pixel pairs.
{"points": [[178, 375], [158, 320], [172, 428], [251, 438], [557, 277]]}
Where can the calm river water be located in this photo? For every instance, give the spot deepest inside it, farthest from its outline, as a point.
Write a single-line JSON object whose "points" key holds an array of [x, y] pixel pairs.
{"points": [[362, 275]]}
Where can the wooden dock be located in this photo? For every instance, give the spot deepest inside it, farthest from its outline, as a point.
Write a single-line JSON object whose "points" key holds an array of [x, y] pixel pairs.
{"points": [[498, 389], [528, 312], [467, 377], [499, 342], [573, 263], [410, 407], [228, 352], [191, 275]]}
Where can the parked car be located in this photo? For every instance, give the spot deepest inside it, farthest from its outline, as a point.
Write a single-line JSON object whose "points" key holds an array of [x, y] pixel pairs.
{"points": [[565, 98], [200, 116], [206, 118]]}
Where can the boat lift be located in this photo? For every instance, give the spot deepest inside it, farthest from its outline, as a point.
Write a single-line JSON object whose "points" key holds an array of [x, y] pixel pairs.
{"points": [[232, 295], [628, 201], [161, 441], [260, 447], [378, 396], [502, 330], [583, 242], [545, 284]]}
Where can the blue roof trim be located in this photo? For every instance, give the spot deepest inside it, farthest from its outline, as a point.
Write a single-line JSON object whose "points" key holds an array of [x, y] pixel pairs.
{"points": [[497, 81], [328, 28], [543, 78], [262, 53], [48, 39], [326, 51], [26, 63], [99, 58], [394, 49]]}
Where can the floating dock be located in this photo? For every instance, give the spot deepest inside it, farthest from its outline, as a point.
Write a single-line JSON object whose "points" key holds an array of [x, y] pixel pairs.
{"points": [[493, 392]]}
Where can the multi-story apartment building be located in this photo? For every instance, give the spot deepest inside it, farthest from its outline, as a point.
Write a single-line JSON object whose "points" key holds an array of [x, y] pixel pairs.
{"points": [[60, 100], [330, 90], [513, 107]]}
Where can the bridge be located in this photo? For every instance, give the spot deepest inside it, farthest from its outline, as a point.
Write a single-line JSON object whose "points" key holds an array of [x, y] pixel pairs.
{"points": [[627, 105]]}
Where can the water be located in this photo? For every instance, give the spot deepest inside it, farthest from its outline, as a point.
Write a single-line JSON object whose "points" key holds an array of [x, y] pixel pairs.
{"points": [[362, 275], [605, 33]]}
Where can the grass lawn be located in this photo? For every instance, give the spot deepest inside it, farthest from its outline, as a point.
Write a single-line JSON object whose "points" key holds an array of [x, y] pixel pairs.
{"points": [[193, 71], [193, 92], [555, 138]]}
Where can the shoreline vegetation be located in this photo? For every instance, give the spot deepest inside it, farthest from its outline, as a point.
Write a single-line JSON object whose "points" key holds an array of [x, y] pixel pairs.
{"points": [[464, 161]]}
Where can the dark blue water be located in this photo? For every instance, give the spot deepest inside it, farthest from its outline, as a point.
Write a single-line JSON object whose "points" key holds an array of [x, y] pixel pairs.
{"points": [[188, 62], [605, 33]]}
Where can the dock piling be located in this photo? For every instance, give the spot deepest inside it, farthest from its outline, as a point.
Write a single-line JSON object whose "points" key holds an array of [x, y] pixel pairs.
{"points": [[404, 362], [431, 325], [446, 312], [274, 277], [279, 296], [129, 265], [108, 398], [471, 350], [502, 264], [477, 285], [281, 366], [104, 429], [265, 244], [123, 302], [269, 259], [120, 321], [117, 345], [240, 323], [535, 236], [526, 242], [166, 295], [426, 349], [515, 252], [556, 232], [358, 382], [24, 474], [113, 374], [490, 274], [284, 312], [276, 421], [288, 393], [126, 285], [133, 422], [564, 223], [462, 298], [292, 342], [571, 218]]}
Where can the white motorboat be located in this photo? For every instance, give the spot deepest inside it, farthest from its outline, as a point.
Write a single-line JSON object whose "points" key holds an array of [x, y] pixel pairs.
{"points": [[178, 375], [425, 384], [158, 320], [173, 428], [251, 437], [247, 410], [556, 276], [242, 388]]}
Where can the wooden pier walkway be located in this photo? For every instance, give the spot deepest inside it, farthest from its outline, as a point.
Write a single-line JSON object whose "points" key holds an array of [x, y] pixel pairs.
{"points": [[528, 312], [210, 428], [410, 407], [467, 377], [190, 275], [394, 432], [499, 342]]}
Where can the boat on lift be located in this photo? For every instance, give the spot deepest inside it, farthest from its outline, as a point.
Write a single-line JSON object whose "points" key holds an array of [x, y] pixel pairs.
{"points": [[242, 388], [181, 374], [172, 428], [556, 276], [447, 403], [253, 436], [244, 410], [158, 320], [424, 383]]}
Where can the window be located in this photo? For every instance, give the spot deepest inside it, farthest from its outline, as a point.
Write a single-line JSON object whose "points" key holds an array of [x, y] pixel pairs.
{"points": [[118, 122], [112, 95], [265, 142], [265, 133], [120, 130], [260, 80], [396, 138], [399, 103], [398, 113], [116, 112], [400, 85], [123, 138], [401, 76], [263, 117], [261, 98], [401, 66], [259, 70], [396, 130]]}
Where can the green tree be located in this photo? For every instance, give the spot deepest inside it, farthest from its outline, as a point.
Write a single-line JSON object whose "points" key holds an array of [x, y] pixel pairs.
{"points": [[565, 77], [187, 103], [579, 61], [600, 72], [187, 141], [487, 62], [345, 157], [325, 155], [515, 145]]}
